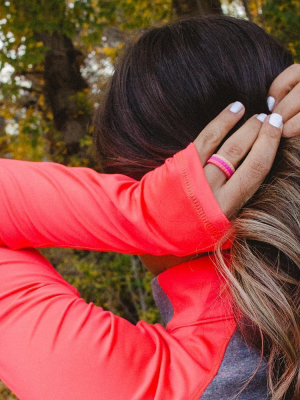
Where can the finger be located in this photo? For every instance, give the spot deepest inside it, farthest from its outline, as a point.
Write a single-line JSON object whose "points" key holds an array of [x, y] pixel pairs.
{"points": [[292, 127], [290, 104], [283, 84], [213, 134], [256, 166], [234, 150]]}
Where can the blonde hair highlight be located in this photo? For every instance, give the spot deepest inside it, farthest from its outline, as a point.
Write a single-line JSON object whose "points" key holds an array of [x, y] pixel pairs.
{"points": [[263, 274]]}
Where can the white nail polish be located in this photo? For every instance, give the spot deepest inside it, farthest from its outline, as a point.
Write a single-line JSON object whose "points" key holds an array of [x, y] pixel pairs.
{"points": [[236, 107], [271, 102], [275, 120], [262, 117]]}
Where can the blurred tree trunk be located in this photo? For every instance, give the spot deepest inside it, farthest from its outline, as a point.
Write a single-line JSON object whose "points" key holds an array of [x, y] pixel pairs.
{"points": [[2, 124], [185, 8], [63, 83]]}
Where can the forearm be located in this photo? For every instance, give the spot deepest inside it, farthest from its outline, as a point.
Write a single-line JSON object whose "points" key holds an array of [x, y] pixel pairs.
{"points": [[55, 345], [170, 211]]}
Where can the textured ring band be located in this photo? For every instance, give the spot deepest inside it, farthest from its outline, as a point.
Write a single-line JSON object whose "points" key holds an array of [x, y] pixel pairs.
{"points": [[223, 164], [225, 160]]}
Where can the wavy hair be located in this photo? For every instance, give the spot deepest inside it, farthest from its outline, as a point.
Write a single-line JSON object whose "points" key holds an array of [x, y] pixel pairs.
{"points": [[264, 272], [166, 88]]}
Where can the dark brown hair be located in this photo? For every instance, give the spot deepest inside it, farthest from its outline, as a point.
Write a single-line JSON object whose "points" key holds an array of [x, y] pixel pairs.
{"points": [[171, 83]]}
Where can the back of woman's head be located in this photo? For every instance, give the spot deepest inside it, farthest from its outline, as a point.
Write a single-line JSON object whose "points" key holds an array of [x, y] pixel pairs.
{"points": [[165, 90], [175, 80]]}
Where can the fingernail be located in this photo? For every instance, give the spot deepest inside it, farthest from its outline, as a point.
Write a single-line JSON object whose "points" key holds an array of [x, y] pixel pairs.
{"points": [[271, 102], [236, 107], [275, 120], [262, 117]]}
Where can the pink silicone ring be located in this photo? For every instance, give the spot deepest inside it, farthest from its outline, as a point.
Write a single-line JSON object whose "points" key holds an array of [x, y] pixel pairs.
{"points": [[225, 160], [228, 171], [223, 163]]}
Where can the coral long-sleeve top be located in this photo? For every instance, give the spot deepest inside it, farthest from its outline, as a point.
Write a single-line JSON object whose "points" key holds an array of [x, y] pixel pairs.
{"points": [[53, 345]]}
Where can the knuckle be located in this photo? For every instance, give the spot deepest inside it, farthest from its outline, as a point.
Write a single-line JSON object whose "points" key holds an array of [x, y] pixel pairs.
{"points": [[232, 149], [212, 136], [259, 167]]}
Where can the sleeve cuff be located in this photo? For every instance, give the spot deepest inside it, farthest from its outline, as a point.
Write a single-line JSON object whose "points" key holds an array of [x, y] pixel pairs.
{"points": [[201, 195]]}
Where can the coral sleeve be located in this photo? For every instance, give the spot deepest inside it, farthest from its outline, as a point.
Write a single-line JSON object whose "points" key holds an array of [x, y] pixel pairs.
{"points": [[172, 210], [54, 345]]}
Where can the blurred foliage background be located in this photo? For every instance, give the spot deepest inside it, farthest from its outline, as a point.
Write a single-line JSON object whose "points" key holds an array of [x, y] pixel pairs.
{"points": [[55, 59]]}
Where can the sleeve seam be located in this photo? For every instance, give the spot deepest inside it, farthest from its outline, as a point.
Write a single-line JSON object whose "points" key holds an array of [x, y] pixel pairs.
{"points": [[192, 195]]}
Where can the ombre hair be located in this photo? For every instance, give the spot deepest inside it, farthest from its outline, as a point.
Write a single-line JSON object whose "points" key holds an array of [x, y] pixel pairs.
{"points": [[165, 89]]}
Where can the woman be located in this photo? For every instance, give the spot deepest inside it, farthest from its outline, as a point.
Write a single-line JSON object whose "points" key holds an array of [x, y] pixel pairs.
{"points": [[172, 83]]}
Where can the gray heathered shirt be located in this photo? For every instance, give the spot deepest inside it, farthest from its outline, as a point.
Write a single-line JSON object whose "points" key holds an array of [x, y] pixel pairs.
{"points": [[239, 362]]}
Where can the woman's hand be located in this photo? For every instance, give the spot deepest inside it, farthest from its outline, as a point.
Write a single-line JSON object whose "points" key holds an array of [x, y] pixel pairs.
{"points": [[284, 98], [256, 140]]}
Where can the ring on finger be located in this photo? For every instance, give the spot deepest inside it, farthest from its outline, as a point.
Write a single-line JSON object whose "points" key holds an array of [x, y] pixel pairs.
{"points": [[222, 163]]}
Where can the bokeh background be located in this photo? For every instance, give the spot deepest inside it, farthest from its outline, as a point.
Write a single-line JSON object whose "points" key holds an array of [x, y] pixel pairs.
{"points": [[55, 59]]}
